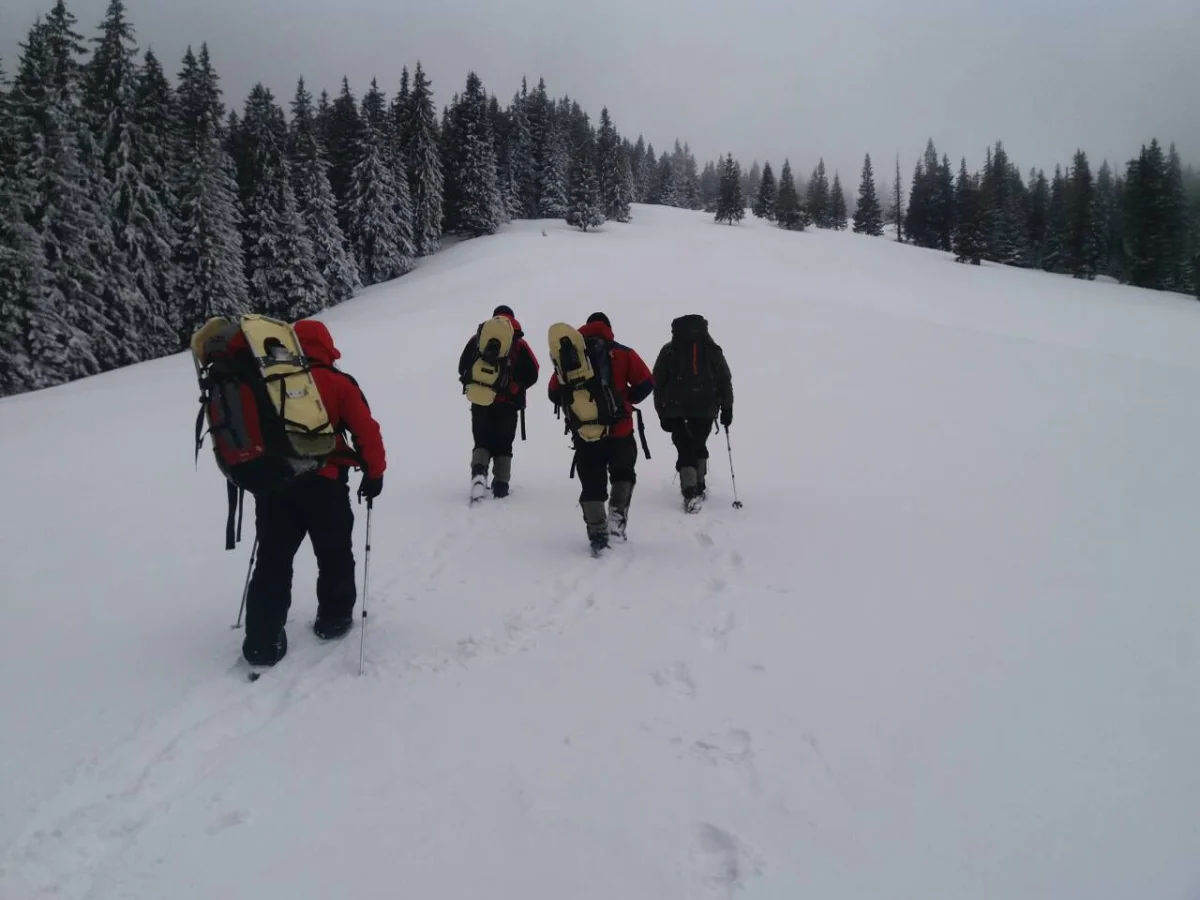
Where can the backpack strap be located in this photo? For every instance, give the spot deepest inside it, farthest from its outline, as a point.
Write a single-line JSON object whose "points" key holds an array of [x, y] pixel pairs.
{"points": [[233, 532]]}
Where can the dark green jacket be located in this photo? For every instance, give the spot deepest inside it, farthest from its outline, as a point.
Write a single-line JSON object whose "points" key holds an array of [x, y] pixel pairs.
{"points": [[707, 388]]}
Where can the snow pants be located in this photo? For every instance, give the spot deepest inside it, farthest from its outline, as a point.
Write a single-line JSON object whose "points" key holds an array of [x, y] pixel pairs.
{"points": [[690, 437], [495, 428], [598, 461], [318, 508]]}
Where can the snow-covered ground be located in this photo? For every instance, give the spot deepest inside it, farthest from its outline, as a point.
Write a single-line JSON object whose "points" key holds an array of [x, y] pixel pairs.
{"points": [[950, 648]]}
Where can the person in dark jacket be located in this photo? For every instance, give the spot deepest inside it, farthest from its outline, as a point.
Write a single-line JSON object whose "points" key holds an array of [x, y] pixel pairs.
{"points": [[693, 388], [614, 456], [494, 427], [317, 507]]}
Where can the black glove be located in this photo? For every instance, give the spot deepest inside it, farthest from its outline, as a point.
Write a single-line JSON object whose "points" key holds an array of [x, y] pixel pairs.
{"points": [[727, 417], [667, 425], [370, 487]]}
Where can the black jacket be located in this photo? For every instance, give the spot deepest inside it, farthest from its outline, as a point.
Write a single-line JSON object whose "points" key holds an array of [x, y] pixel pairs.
{"points": [[691, 377]]}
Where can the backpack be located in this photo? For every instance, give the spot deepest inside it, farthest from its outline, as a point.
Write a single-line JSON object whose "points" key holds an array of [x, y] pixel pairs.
{"points": [[488, 370], [268, 423], [691, 387], [584, 368]]}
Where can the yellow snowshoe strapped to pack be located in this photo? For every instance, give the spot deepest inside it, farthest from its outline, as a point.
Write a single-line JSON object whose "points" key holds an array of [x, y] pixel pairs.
{"points": [[490, 373], [585, 374], [268, 422]]}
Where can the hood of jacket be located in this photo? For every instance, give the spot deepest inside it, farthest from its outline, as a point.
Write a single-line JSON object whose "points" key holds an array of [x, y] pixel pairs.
{"points": [[597, 330], [689, 328], [518, 333], [317, 341]]}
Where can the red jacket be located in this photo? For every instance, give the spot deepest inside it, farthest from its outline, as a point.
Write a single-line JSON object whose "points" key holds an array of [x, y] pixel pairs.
{"points": [[524, 366], [344, 400], [632, 379]]}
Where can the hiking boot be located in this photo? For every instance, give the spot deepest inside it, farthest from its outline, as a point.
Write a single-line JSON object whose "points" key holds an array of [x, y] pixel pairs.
{"points": [[618, 508], [258, 653], [689, 480], [596, 520], [701, 473], [501, 475], [480, 459], [329, 627]]}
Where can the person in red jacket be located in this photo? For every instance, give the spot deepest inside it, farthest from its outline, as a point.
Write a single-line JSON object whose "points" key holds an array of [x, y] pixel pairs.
{"points": [[494, 427], [614, 456], [317, 507]]}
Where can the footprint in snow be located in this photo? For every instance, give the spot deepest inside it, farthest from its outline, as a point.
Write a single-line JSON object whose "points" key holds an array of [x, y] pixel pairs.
{"points": [[677, 678], [723, 862]]}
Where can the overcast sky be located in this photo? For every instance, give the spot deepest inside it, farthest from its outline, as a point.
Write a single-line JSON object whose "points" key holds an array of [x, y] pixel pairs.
{"points": [[760, 78]]}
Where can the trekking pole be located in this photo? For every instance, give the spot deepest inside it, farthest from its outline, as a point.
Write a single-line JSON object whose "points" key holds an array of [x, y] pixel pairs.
{"points": [[362, 636], [246, 589], [737, 504]]}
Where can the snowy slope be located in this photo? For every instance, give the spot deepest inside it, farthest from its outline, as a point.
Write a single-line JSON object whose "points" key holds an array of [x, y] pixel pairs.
{"points": [[948, 649]]}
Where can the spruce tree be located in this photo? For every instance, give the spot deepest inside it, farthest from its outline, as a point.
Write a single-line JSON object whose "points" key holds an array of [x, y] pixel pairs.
{"points": [[209, 251], [1039, 216], [1053, 260], [897, 204], [281, 270], [768, 192], [134, 150], [731, 204], [1178, 274], [868, 217], [375, 232], [837, 205], [788, 212], [613, 188], [637, 163], [1107, 225], [316, 204], [65, 324], [1080, 245], [1148, 219], [522, 161], [752, 183], [422, 159], [968, 243], [476, 198], [710, 187], [585, 208], [342, 137], [818, 196]]}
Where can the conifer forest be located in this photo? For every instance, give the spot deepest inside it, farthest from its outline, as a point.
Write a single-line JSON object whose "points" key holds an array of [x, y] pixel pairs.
{"points": [[137, 201]]}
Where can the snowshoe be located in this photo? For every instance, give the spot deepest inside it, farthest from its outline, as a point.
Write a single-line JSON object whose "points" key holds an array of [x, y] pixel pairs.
{"points": [[479, 488], [265, 655], [693, 504], [617, 520], [599, 543]]}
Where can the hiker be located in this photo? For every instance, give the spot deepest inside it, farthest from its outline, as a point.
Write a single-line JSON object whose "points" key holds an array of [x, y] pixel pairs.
{"points": [[317, 506], [615, 454], [494, 425], [692, 387]]}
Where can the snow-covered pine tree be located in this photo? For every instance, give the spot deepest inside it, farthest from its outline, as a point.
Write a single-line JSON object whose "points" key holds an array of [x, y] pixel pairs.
{"points": [[731, 204], [868, 216], [64, 321], [1109, 225], [665, 186], [1056, 224], [613, 190], [710, 187], [896, 212], [788, 212], [585, 208], [1148, 217], [521, 162], [423, 162], [383, 125], [375, 230], [752, 183], [763, 205], [343, 133], [398, 113], [818, 196], [209, 250], [476, 199], [131, 114], [652, 188], [316, 205], [968, 244], [281, 270], [837, 204], [637, 161], [1081, 252], [688, 181], [20, 264], [1179, 249]]}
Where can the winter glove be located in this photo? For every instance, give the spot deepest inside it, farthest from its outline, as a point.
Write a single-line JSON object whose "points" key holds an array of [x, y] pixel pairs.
{"points": [[370, 487], [727, 417], [667, 425]]}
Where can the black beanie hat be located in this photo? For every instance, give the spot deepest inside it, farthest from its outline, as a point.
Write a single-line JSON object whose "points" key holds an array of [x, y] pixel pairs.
{"points": [[502, 310], [599, 317]]}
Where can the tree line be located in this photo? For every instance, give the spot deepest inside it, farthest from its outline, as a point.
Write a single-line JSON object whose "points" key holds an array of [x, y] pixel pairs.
{"points": [[132, 208]]}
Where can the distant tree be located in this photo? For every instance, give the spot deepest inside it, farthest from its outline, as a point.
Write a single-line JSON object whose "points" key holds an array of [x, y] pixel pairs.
{"points": [[1082, 254], [315, 202], [1054, 259], [375, 232], [1107, 224], [768, 192], [710, 187], [731, 205], [1039, 215], [837, 205], [752, 182], [868, 216], [1148, 219], [585, 209], [474, 206], [896, 212], [968, 230], [342, 137], [614, 189], [818, 196], [788, 212]]}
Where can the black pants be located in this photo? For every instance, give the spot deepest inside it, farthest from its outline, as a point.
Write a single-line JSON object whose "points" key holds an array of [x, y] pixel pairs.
{"points": [[319, 508], [495, 428], [690, 437], [597, 461]]}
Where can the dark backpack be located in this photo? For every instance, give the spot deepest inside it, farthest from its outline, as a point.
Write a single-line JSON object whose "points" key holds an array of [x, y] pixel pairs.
{"points": [[692, 387]]}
